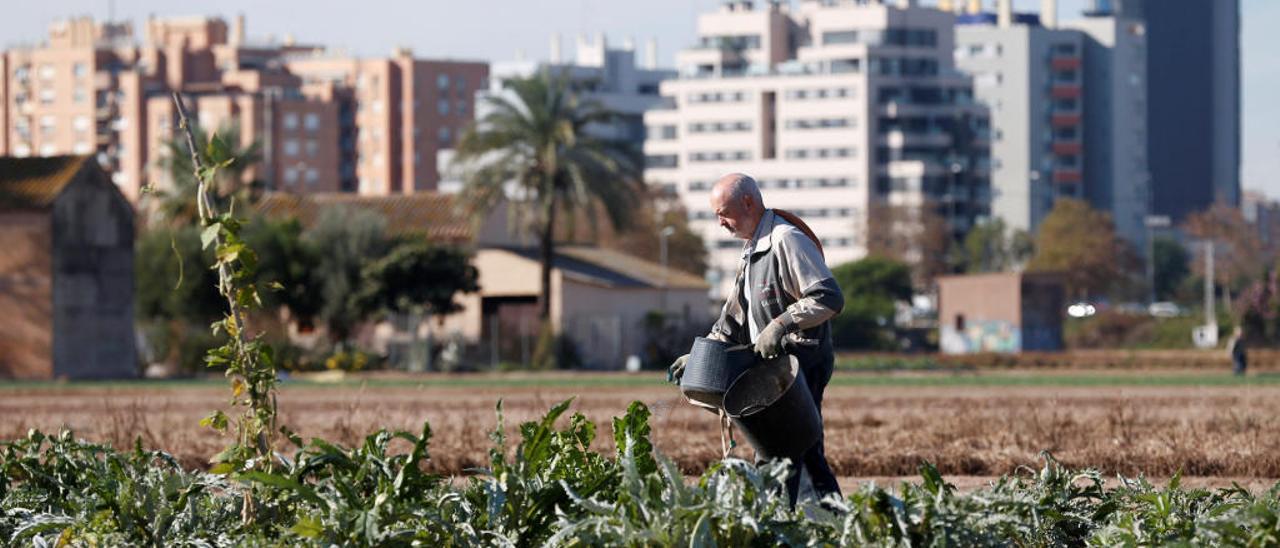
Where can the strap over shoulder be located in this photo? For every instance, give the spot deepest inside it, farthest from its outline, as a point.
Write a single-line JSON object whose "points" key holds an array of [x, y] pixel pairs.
{"points": [[794, 220]]}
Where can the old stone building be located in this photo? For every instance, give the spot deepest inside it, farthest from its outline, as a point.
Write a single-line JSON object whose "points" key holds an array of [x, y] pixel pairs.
{"points": [[66, 271]]}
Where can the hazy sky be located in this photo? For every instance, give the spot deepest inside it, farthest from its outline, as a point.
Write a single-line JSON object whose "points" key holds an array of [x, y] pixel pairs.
{"points": [[497, 30]]}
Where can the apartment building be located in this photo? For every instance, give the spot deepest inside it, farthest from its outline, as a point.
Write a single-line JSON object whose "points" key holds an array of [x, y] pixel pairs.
{"points": [[836, 108], [1031, 76], [1116, 169], [324, 121]]}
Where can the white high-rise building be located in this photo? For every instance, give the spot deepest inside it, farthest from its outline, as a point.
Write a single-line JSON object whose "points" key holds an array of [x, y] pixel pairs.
{"points": [[835, 108], [616, 78]]}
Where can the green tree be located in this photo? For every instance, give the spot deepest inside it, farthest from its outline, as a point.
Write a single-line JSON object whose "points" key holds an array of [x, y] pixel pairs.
{"points": [[872, 287], [1171, 266], [991, 247], [284, 257], [172, 281], [417, 277], [533, 149], [173, 202], [1081, 242], [344, 240]]}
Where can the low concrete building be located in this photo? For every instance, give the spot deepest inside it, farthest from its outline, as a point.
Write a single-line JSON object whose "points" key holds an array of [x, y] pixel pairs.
{"points": [[1001, 312], [600, 300], [66, 271]]}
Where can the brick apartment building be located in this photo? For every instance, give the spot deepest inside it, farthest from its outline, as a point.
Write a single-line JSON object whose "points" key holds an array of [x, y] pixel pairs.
{"points": [[325, 121]]}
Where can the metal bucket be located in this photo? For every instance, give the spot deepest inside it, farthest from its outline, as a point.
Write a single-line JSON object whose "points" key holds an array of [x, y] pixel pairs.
{"points": [[713, 366], [772, 406]]}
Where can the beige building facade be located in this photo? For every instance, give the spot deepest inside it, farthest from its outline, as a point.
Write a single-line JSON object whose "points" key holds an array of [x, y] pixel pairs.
{"points": [[324, 122]]}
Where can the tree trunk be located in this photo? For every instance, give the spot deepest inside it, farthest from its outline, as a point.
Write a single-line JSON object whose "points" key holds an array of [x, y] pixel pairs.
{"points": [[547, 252]]}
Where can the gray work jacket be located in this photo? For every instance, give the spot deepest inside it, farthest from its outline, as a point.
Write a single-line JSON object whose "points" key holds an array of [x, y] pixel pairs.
{"points": [[790, 283]]}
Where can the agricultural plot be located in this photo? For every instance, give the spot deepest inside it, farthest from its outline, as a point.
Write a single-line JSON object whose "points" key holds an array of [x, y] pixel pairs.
{"points": [[877, 426], [548, 478]]}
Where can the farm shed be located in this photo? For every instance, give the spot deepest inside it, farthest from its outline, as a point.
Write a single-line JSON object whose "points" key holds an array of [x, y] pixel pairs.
{"points": [[66, 271], [1000, 312], [599, 299]]}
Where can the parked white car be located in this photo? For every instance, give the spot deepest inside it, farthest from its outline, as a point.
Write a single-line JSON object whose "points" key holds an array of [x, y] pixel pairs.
{"points": [[1164, 309]]}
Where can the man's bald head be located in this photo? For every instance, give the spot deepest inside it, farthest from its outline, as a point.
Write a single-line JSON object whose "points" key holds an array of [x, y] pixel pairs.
{"points": [[736, 201]]}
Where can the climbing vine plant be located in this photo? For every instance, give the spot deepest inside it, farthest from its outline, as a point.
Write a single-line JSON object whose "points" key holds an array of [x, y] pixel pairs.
{"points": [[248, 361]]}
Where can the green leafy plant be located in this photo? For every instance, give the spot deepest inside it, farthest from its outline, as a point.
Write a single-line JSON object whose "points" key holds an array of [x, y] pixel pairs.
{"points": [[247, 361]]}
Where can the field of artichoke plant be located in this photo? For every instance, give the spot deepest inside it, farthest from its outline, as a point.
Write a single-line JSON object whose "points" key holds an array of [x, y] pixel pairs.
{"points": [[548, 488]]}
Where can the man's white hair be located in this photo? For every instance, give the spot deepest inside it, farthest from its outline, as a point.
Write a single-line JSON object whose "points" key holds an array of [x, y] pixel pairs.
{"points": [[739, 185]]}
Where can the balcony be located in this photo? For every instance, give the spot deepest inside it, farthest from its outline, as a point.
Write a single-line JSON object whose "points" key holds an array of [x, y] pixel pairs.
{"points": [[1067, 148], [1064, 120], [1067, 175], [1065, 91], [1065, 63]]}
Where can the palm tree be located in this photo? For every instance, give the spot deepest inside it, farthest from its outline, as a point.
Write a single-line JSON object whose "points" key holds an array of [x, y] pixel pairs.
{"points": [[174, 203], [534, 150]]}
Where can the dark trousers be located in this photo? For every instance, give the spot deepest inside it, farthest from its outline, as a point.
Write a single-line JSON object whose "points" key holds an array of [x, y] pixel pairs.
{"points": [[817, 367]]}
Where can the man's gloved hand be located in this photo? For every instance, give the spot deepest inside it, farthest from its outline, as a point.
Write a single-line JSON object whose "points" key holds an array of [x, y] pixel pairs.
{"points": [[769, 343], [676, 370]]}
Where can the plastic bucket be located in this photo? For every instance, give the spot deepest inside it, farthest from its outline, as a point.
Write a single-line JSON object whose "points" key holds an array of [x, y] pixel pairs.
{"points": [[772, 406], [713, 366]]}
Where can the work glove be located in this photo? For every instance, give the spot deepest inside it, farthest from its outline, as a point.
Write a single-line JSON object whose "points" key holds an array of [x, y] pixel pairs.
{"points": [[676, 370], [769, 343]]}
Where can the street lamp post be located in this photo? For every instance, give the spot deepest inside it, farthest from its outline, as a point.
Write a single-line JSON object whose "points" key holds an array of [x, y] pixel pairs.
{"points": [[665, 233]]}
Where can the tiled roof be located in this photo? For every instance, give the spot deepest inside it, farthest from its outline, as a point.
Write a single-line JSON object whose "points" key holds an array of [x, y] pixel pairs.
{"points": [[613, 269], [34, 183], [433, 215]]}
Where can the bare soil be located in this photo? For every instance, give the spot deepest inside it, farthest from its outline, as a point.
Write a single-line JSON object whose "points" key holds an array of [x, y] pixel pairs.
{"points": [[1223, 434]]}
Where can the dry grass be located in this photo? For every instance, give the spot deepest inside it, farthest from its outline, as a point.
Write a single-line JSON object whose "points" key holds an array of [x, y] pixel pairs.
{"points": [[1218, 431]]}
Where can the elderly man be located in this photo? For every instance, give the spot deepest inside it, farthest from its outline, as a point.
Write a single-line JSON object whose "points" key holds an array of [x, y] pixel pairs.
{"points": [[782, 301]]}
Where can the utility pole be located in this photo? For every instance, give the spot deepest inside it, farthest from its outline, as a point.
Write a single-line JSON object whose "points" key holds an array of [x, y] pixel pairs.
{"points": [[1210, 312]]}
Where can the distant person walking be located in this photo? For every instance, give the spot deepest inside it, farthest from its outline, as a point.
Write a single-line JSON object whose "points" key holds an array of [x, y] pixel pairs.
{"points": [[782, 303], [1236, 349]]}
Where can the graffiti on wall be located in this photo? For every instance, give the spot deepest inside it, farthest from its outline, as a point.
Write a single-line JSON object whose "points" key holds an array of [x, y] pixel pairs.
{"points": [[981, 336]]}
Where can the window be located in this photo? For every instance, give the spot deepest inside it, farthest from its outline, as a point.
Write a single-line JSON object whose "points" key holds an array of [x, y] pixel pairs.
{"points": [[47, 96], [462, 108], [290, 121], [48, 149], [46, 72], [442, 81], [291, 147], [81, 123], [819, 123], [79, 70], [79, 95], [313, 148], [660, 133], [840, 37], [311, 121], [290, 175], [718, 97], [719, 156], [48, 125], [661, 160], [444, 136], [443, 107], [313, 177]]}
